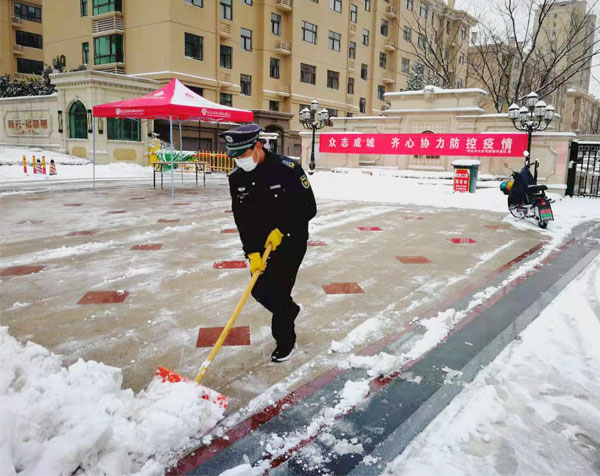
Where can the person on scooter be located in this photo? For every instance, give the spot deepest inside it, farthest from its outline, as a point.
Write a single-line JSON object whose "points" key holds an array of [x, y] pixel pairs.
{"points": [[272, 203]]}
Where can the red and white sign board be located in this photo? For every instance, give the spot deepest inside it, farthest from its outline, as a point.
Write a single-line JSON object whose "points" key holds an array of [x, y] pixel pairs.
{"points": [[462, 180], [464, 145]]}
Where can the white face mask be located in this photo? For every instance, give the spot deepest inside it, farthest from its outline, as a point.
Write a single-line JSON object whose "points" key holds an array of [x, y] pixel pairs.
{"points": [[247, 164]]}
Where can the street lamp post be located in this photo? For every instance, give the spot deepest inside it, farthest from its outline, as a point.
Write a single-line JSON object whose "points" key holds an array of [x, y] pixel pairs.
{"points": [[312, 118], [533, 116]]}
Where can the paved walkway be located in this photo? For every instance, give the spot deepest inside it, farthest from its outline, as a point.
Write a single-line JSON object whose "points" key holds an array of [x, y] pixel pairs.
{"points": [[401, 259]]}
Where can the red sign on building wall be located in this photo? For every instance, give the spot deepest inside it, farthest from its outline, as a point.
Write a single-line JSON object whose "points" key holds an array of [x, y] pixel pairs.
{"points": [[462, 180], [465, 145]]}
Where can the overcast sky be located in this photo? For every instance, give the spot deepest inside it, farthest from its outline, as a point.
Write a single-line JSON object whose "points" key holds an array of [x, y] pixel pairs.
{"points": [[484, 9]]}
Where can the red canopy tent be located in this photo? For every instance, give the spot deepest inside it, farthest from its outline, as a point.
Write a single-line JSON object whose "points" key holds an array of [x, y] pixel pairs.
{"points": [[174, 102]]}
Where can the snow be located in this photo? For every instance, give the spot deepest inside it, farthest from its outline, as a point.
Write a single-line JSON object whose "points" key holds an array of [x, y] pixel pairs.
{"points": [[465, 163], [534, 410], [57, 419]]}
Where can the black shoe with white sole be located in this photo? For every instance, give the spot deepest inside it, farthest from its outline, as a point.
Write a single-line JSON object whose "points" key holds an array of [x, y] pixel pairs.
{"points": [[281, 354]]}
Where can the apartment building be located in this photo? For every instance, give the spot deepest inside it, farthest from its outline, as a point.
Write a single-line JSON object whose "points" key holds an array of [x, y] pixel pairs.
{"points": [[273, 55], [21, 38], [582, 112]]}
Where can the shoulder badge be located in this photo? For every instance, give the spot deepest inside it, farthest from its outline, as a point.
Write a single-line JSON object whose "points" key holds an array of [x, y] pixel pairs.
{"points": [[304, 181], [290, 163]]}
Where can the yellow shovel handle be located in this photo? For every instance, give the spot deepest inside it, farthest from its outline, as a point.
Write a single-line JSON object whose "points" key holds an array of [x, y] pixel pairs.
{"points": [[232, 319]]}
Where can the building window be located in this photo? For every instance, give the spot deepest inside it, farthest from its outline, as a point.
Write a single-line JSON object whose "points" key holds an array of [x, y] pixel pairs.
{"points": [[463, 32], [380, 92], [308, 73], [106, 6], [350, 85], [77, 121], [196, 3], [84, 8], [108, 49], [333, 79], [85, 53], [363, 71], [382, 60], [407, 33], [334, 41], [405, 65], [274, 106], [194, 46], [309, 32], [368, 5], [276, 24], [226, 99], [274, 68], [365, 37], [246, 84], [196, 89], [248, 2], [423, 10], [226, 9], [461, 58], [362, 105], [30, 40], [384, 27], [352, 50], [422, 41], [27, 66], [124, 129], [353, 13], [27, 12], [246, 41], [459, 84], [409, 4], [336, 5], [225, 56]]}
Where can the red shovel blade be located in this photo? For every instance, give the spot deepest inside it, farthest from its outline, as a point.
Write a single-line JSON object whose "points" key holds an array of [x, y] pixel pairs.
{"points": [[167, 375]]}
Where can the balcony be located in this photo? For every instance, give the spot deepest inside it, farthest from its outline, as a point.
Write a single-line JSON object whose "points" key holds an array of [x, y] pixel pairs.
{"points": [[17, 50], [284, 5], [352, 30], [389, 47], [390, 12], [107, 25], [283, 48], [388, 77], [225, 29], [115, 68], [351, 65]]}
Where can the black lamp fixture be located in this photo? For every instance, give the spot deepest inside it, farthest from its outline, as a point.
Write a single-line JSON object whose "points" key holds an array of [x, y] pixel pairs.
{"points": [[100, 124], [533, 116], [312, 118], [89, 120], [60, 122]]}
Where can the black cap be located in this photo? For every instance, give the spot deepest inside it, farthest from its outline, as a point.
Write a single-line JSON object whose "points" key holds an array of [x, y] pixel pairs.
{"points": [[239, 139]]}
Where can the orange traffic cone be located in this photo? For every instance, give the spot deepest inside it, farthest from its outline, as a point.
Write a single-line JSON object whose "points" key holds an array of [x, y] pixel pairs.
{"points": [[52, 167]]}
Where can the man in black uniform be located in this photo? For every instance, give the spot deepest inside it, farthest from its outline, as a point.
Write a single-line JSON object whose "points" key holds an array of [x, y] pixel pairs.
{"points": [[272, 203]]}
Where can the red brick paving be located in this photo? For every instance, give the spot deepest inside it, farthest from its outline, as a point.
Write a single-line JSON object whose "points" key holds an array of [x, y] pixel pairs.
{"points": [[412, 259], [497, 227], [461, 240], [182, 203], [229, 230], [316, 243], [103, 297], [21, 270], [410, 217], [155, 246], [83, 233], [165, 220], [230, 264], [369, 228], [207, 336], [342, 288], [73, 204], [116, 212]]}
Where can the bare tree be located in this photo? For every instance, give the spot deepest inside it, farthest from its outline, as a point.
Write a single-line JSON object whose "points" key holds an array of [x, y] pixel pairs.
{"points": [[529, 52]]}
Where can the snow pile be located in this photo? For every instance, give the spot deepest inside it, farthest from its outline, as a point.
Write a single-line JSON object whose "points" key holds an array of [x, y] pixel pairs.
{"points": [[57, 420], [535, 409], [363, 332], [67, 166]]}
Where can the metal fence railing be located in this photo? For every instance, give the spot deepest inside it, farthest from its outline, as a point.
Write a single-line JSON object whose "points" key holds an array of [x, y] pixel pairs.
{"points": [[583, 176]]}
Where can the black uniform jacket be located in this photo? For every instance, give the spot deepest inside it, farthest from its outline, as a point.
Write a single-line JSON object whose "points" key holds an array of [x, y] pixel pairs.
{"points": [[276, 194]]}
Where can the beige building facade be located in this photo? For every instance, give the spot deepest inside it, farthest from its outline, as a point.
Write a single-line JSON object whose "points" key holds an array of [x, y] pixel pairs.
{"points": [[582, 112], [21, 38]]}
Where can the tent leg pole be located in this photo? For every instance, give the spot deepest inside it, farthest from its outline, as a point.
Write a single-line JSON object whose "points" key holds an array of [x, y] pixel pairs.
{"points": [[172, 157], [181, 149], [94, 153]]}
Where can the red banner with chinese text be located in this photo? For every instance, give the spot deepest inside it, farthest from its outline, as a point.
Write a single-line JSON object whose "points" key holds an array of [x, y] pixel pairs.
{"points": [[465, 145]]}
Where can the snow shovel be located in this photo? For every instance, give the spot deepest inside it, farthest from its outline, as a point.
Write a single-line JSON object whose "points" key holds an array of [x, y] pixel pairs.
{"points": [[170, 376]]}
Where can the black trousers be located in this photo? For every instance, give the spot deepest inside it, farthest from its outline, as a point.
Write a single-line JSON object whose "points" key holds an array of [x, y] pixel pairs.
{"points": [[273, 288]]}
